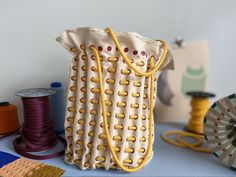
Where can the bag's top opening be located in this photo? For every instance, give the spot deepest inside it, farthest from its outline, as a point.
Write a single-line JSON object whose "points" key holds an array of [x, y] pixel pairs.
{"points": [[125, 34]]}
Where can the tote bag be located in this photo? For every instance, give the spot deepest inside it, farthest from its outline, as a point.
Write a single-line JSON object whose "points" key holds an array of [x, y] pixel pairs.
{"points": [[109, 118]]}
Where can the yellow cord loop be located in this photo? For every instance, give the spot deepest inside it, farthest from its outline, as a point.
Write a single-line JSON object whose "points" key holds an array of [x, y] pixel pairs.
{"points": [[180, 142], [151, 74], [200, 104]]}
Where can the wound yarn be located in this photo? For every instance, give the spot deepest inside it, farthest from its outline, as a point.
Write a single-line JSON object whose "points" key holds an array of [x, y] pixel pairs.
{"points": [[37, 133], [9, 122], [199, 109]]}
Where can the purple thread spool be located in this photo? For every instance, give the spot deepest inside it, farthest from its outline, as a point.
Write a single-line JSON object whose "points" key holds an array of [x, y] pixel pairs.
{"points": [[37, 132]]}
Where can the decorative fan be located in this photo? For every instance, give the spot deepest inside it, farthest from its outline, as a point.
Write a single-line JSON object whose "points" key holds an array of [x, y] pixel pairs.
{"points": [[220, 130]]}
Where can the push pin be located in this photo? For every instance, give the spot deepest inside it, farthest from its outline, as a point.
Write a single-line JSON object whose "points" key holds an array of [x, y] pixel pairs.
{"points": [[179, 41]]}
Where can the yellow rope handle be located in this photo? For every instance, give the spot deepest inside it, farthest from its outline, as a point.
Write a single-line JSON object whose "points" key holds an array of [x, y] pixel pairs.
{"points": [[127, 60], [151, 74], [150, 136]]}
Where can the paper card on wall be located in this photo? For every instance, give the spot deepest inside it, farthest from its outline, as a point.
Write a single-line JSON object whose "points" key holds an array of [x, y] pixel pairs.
{"points": [[190, 74]]}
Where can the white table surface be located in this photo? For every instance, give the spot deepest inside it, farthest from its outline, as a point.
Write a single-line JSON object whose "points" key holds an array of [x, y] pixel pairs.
{"points": [[168, 160]]}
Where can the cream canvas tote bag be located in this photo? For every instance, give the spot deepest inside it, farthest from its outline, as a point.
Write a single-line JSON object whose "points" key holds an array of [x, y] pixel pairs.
{"points": [[109, 118]]}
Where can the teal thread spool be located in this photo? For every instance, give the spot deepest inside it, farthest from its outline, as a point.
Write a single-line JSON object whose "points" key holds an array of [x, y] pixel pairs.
{"points": [[57, 103]]}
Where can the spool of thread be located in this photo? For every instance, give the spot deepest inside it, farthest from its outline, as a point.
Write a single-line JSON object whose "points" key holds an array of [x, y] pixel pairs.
{"points": [[57, 103], [200, 104], [37, 132], [9, 122]]}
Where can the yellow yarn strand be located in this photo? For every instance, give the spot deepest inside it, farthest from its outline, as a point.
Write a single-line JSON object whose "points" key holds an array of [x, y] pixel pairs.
{"points": [[151, 74], [195, 128], [177, 133]]}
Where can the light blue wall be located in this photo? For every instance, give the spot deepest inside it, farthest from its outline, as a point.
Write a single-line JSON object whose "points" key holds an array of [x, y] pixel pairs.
{"points": [[30, 57]]}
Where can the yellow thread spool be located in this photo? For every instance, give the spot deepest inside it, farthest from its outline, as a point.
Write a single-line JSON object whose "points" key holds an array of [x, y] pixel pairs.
{"points": [[200, 104]]}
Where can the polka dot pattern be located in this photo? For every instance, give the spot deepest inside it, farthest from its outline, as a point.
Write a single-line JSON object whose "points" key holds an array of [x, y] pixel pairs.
{"points": [[100, 48], [135, 52], [126, 49], [109, 48]]}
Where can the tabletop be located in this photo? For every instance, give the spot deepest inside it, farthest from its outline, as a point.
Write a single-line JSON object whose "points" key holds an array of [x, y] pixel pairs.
{"points": [[168, 160]]}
